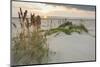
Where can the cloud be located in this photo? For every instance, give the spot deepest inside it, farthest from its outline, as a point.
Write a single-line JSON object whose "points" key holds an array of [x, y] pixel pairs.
{"points": [[55, 9]]}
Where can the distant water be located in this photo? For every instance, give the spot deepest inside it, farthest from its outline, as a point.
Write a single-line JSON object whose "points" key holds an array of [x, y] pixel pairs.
{"points": [[68, 48]]}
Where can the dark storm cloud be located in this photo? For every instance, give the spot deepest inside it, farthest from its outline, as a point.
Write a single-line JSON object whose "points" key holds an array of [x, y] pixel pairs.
{"points": [[80, 7], [83, 7]]}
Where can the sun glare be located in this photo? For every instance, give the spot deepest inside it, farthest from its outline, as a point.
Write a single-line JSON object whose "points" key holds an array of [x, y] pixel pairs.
{"points": [[45, 17]]}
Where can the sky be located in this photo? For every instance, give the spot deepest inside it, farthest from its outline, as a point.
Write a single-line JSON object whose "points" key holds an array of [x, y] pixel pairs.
{"points": [[45, 9]]}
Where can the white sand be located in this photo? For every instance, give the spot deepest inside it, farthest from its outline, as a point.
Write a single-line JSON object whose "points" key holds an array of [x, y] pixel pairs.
{"points": [[70, 48]]}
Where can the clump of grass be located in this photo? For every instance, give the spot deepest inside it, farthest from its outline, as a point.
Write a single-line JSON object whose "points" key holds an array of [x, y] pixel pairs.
{"points": [[30, 50], [29, 47], [67, 28]]}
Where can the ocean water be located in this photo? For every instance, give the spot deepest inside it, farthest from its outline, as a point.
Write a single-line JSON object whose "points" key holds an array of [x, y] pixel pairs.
{"points": [[68, 48]]}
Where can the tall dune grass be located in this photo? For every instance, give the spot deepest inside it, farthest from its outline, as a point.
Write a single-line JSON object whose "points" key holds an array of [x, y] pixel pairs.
{"points": [[29, 47]]}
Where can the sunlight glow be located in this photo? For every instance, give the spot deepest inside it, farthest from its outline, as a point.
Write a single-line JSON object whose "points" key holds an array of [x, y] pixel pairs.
{"points": [[45, 17]]}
